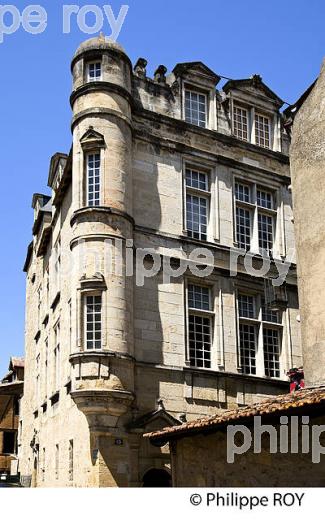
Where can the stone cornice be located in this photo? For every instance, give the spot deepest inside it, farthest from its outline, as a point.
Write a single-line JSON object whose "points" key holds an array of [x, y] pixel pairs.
{"points": [[90, 210], [100, 86], [182, 126], [99, 111], [94, 53]]}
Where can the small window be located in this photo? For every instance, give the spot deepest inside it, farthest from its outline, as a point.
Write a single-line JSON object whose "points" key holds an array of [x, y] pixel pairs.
{"points": [[196, 108], [95, 71]]}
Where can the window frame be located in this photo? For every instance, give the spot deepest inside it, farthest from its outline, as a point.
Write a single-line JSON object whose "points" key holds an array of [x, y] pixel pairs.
{"points": [[260, 324], [201, 194], [256, 210], [193, 89], [96, 202], [253, 112], [258, 114], [96, 78], [203, 313], [85, 296]]}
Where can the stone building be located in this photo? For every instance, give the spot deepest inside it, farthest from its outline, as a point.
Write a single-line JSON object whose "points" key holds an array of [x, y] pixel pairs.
{"points": [[301, 414], [11, 389], [159, 169]]}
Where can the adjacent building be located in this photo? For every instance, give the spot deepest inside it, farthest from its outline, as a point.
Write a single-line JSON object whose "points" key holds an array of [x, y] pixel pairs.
{"points": [[162, 172], [11, 390]]}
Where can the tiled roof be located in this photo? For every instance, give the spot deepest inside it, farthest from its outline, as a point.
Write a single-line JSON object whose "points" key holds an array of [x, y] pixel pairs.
{"points": [[286, 403], [18, 362]]}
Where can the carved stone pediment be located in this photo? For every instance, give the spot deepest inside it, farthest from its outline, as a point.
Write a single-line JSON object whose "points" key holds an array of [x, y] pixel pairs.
{"points": [[152, 421], [92, 139], [251, 87], [196, 69]]}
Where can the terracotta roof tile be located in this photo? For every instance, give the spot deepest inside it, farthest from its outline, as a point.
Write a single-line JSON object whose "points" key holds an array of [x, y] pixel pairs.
{"points": [[274, 405]]}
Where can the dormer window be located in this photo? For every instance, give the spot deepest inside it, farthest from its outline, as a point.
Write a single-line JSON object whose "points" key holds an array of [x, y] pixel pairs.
{"points": [[241, 123], [196, 107], [262, 130], [251, 126], [94, 71]]}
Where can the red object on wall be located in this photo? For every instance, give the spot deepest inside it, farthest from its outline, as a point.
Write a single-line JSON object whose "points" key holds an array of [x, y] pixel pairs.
{"points": [[297, 381]]}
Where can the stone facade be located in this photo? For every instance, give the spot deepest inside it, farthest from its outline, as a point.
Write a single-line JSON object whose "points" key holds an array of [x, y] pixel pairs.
{"points": [[85, 409]]}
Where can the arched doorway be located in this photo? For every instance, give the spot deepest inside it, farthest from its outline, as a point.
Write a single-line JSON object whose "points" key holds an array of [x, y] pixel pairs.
{"points": [[157, 478]]}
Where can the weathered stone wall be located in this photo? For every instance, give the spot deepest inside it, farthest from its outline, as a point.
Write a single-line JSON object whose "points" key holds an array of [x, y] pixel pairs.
{"points": [[307, 168], [201, 461]]}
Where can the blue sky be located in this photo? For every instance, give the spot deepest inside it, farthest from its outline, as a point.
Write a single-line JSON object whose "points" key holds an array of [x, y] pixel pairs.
{"points": [[284, 41]]}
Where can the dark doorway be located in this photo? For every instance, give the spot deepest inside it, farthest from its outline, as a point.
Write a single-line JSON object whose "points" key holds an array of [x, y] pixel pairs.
{"points": [[9, 442], [157, 478]]}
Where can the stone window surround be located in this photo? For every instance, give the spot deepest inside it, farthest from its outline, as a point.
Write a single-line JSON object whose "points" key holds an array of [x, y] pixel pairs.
{"points": [[283, 326], [210, 93], [252, 108], [94, 147], [279, 242], [94, 286], [87, 67], [209, 168], [216, 314]]}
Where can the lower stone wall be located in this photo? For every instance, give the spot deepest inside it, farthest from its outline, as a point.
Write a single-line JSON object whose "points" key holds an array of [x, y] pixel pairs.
{"points": [[201, 461]]}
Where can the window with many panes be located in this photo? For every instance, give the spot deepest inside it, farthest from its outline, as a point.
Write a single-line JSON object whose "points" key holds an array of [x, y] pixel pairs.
{"points": [[255, 203], [93, 322], [249, 125], [94, 71], [260, 330], [200, 325], [93, 179], [248, 333], [262, 130], [196, 107], [197, 203], [272, 334], [240, 123]]}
